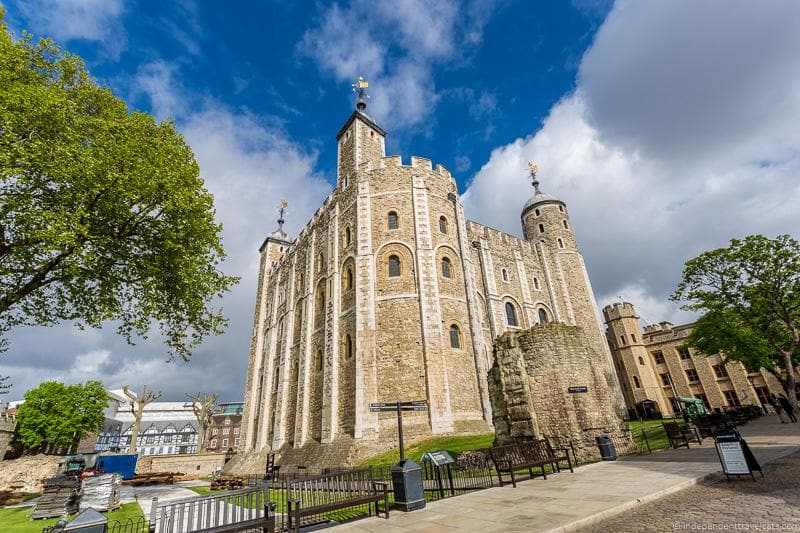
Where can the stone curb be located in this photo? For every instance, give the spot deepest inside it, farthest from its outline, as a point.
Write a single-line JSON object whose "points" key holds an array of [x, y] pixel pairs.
{"points": [[627, 506]]}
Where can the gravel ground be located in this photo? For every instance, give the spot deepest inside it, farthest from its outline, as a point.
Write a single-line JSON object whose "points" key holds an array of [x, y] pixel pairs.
{"points": [[771, 503]]}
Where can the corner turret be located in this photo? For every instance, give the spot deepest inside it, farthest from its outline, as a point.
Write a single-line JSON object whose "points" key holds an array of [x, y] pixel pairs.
{"points": [[545, 218], [360, 140]]}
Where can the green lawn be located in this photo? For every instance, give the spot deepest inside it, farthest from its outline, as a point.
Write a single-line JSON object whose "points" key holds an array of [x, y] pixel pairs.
{"points": [[454, 445], [203, 491], [17, 521], [654, 433]]}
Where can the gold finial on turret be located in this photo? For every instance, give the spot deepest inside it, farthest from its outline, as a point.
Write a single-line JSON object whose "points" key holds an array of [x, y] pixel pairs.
{"points": [[534, 169], [360, 88]]}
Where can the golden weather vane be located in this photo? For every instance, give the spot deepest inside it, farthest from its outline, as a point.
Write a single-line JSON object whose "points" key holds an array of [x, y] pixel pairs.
{"points": [[360, 88]]}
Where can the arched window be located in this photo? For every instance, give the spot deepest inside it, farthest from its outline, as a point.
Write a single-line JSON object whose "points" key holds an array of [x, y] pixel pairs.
{"points": [[541, 228], [320, 311], [392, 220], [347, 236], [633, 337], [566, 226], [348, 279], [622, 340], [394, 266], [319, 359], [505, 274], [641, 361], [636, 382], [511, 315], [560, 243], [561, 208], [300, 282], [543, 316], [348, 346], [320, 261], [536, 283], [455, 337], [443, 224], [446, 267], [537, 212]]}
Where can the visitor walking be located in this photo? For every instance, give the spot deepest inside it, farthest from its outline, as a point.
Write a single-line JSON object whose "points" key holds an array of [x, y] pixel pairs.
{"points": [[776, 404], [787, 407]]}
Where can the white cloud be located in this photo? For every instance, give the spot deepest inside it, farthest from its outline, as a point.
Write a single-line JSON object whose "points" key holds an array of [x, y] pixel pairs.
{"points": [[396, 45], [680, 135], [90, 20]]}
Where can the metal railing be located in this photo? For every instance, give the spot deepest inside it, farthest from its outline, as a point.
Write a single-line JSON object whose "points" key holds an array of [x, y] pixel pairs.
{"points": [[235, 510]]}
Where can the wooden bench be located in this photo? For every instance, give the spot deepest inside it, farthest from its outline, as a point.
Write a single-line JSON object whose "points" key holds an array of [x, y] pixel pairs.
{"points": [[512, 457], [309, 499], [559, 455], [678, 436]]}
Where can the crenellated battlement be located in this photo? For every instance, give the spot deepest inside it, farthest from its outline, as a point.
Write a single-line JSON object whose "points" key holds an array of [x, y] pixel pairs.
{"points": [[619, 310]]}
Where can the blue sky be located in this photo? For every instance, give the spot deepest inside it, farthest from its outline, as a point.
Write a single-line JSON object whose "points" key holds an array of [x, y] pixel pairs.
{"points": [[668, 127]]}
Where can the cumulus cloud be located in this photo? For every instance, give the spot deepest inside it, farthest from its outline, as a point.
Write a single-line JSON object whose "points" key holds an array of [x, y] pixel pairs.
{"points": [[248, 164], [681, 134], [396, 45], [89, 20]]}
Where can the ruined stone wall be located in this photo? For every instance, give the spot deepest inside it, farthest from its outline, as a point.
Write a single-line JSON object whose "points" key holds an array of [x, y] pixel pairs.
{"points": [[7, 425], [192, 465], [529, 388]]}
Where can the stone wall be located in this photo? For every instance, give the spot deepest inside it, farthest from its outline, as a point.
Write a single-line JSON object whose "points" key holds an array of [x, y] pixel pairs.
{"points": [[193, 465], [27, 473], [7, 425], [529, 388]]}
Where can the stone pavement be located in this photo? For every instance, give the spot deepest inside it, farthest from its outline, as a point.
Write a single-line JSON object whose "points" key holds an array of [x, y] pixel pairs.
{"points": [[144, 495], [571, 502]]}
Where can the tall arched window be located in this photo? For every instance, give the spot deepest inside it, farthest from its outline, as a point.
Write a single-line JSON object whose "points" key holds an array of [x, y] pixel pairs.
{"points": [[394, 266], [443, 224], [536, 283], [541, 228], [636, 382], [320, 261], [348, 279], [511, 315], [392, 220], [543, 316], [446, 267], [319, 359], [300, 282], [347, 236], [560, 243], [505, 274], [455, 337], [320, 311], [641, 361]]}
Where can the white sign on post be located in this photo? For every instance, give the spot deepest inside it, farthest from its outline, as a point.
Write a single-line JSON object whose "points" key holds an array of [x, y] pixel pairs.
{"points": [[732, 456]]}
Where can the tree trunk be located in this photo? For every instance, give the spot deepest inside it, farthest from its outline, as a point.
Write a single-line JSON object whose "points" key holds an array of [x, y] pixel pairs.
{"points": [[137, 422], [791, 379]]}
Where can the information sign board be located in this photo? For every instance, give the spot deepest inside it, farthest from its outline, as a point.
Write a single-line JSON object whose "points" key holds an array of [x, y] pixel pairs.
{"points": [[573, 390]]}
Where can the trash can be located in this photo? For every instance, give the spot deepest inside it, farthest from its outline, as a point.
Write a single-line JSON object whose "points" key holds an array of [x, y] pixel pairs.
{"points": [[606, 447]]}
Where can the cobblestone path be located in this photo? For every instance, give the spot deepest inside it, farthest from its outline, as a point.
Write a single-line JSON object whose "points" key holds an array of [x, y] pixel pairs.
{"points": [[771, 503]]}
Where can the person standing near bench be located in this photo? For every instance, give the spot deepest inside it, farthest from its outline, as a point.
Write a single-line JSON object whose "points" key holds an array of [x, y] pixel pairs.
{"points": [[776, 404], [787, 407]]}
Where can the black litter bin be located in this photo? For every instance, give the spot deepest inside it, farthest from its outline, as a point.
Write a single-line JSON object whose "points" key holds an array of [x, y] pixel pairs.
{"points": [[606, 446]]}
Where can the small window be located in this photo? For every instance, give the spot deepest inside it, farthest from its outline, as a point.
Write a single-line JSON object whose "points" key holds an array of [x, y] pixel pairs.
{"points": [[658, 357], [541, 228], [561, 208], [566, 226], [455, 337], [636, 381], [224, 443], [227, 421], [348, 346], [622, 340], [347, 236], [348, 279], [392, 220], [505, 275], [536, 283], [537, 212], [732, 398], [394, 266], [665, 379], [446, 267], [226, 431], [641, 360], [543, 318], [443, 224], [683, 351], [320, 261], [319, 359], [560, 243], [720, 371], [633, 337], [235, 431], [511, 315], [691, 375]]}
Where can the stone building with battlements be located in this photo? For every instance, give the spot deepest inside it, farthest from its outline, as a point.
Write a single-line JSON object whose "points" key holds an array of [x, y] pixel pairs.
{"points": [[390, 294], [654, 364]]}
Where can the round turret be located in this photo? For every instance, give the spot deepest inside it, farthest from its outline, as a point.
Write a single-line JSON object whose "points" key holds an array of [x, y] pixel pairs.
{"points": [[545, 218]]}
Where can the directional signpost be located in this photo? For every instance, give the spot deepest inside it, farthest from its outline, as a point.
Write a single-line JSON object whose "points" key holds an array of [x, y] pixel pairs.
{"points": [[409, 493]]}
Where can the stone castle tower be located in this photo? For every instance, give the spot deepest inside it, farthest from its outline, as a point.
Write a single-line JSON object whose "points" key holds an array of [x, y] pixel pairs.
{"points": [[389, 294]]}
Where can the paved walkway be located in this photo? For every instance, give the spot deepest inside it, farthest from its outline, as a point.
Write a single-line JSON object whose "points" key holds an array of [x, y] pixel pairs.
{"points": [[570, 502], [144, 495]]}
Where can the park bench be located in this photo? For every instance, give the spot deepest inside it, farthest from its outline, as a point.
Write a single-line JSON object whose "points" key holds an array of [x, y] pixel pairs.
{"points": [[559, 455], [310, 499], [679, 436], [509, 458]]}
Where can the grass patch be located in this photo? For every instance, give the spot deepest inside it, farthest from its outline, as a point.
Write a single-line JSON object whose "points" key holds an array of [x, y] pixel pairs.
{"points": [[18, 520], [454, 445], [203, 491]]}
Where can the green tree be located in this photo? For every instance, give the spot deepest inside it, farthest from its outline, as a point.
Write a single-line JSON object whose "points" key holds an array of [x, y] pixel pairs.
{"points": [[749, 293], [103, 214], [59, 415]]}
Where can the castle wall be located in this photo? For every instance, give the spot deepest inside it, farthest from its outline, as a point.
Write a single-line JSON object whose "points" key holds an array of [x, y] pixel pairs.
{"points": [[529, 388]]}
